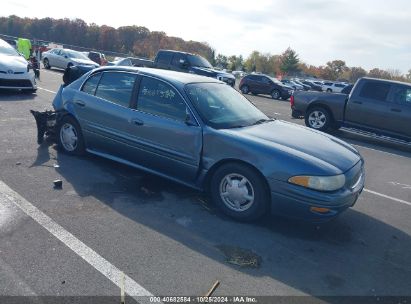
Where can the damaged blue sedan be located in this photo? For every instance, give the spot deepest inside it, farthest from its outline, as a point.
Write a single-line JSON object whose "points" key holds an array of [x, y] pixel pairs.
{"points": [[202, 133]]}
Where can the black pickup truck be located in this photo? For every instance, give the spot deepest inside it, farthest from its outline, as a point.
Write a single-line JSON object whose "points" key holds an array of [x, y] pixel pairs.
{"points": [[189, 63], [374, 107], [166, 60]]}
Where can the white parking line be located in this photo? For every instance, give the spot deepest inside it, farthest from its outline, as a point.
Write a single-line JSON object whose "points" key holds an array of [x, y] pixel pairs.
{"points": [[115, 275], [50, 91], [389, 197]]}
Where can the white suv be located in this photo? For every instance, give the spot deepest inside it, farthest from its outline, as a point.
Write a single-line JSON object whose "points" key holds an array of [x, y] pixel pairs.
{"points": [[333, 87]]}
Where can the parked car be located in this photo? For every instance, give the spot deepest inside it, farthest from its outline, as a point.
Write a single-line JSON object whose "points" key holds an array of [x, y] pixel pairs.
{"points": [[15, 71], [263, 84], [171, 124], [64, 58], [97, 57], [314, 87], [379, 107], [305, 86], [293, 84], [333, 87], [132, 61]]}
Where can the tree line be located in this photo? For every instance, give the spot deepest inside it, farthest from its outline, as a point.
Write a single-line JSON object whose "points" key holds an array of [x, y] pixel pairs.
{"points": [[140, 41]]}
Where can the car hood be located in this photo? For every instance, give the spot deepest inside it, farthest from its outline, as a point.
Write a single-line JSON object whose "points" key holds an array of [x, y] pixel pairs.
{"points": [[212, 71], [14, 63], [302, 142]]}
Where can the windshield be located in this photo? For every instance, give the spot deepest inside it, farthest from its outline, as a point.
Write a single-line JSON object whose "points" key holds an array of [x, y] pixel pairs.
{"points": [[222, 107], [8, 50], [198, 61], [76, 55]]}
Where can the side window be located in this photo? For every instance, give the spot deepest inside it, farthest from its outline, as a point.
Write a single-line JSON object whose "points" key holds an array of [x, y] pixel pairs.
{"points": [[116, 87], [265, 80], [158, 98], [402, 95], [57, 52], [164, 57], [178, 59], [375, 90], [90, 85], [258, 78]]}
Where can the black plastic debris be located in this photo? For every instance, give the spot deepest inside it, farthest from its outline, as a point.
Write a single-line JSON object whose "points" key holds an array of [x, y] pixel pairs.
{"points": [[58, 184], [45, 122]]}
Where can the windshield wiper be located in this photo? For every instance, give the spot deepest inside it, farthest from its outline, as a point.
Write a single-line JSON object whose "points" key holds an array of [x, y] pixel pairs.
{"points": [[260, 121]]}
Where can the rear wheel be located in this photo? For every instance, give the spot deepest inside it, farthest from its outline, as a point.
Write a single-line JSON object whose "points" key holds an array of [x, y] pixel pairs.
{"points": [[240, 192], [329, 90], [46, 64], [70, 137], [245, 89], [275, 94], [318, 118]]}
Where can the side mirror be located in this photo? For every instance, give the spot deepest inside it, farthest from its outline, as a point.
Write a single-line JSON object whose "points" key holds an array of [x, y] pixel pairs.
{"points": [[189, 120]]}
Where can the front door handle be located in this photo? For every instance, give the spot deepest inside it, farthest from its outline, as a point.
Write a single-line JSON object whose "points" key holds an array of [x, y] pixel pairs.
{"points": [[80, 103], [137, 122], [396, 110]]}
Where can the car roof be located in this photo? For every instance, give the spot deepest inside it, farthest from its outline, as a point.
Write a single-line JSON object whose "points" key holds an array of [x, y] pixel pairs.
{"points": [[176, 78]]}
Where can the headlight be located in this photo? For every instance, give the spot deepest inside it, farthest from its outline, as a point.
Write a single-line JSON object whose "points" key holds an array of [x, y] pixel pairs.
{"points": [[321, 183]]}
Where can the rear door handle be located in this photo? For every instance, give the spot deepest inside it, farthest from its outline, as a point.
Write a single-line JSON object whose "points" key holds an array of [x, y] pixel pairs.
{"points": [[357, 102], [80, 103], [396, 110], [137, 122]]}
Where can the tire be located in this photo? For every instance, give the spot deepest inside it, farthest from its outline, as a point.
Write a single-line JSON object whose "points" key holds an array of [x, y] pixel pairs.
{"points": [[46, 64], [69, 65], [318, 118], [275, 94], [329, 91], [254, 187], [75, 144], [245, 89]]}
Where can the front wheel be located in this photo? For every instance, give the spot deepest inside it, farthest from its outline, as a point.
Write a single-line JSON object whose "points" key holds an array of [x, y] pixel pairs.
{"points": [[46, 64], [318, 118], [245, 89], [275, 94], [70, 137], [240, 192]]}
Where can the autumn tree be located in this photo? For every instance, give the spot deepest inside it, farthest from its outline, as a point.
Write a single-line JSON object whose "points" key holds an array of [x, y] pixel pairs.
{"points": [[378, 73]]}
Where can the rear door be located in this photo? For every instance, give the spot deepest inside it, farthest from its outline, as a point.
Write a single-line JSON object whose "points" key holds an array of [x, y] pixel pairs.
{"points": [[164, 60], [369, 106], [401, 110], [165, 142], [103, 110], [179, 62]]}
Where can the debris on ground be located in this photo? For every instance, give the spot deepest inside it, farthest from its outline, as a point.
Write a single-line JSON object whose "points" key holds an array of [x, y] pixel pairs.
{"points": [[58, 184], [56, 166], [240, 256], [212, 289], [18, 163]]}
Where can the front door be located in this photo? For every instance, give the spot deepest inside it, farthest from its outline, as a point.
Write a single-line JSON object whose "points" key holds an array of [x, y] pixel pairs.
{"points": [[401, 110], [164, 141], [370, 107]]}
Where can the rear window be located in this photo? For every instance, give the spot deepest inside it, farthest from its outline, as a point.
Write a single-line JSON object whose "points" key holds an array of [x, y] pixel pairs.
{"points": [[164, 57], [116, 87], [375, 90], [402, 95]]}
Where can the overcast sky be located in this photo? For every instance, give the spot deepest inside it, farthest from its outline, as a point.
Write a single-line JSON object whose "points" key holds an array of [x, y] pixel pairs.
{"points": [[367, 33]]}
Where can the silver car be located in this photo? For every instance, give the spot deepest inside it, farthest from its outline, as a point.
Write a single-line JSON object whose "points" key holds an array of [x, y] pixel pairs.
{"points": [[64, 58]]}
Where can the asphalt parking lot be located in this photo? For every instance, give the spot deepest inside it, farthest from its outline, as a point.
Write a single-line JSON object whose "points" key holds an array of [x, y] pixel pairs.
{"points": [[169, 240]]}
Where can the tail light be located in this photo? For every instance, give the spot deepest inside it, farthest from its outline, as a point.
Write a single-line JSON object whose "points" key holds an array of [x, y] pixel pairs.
{"points": [[292, 100]]}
